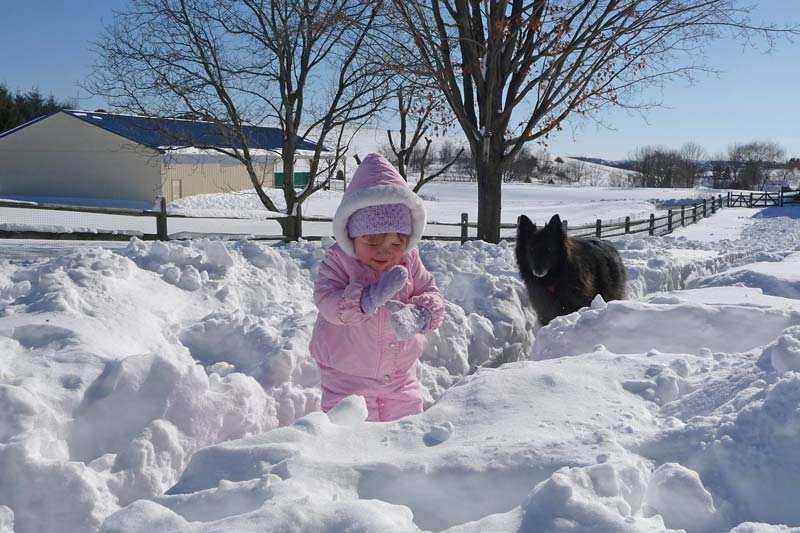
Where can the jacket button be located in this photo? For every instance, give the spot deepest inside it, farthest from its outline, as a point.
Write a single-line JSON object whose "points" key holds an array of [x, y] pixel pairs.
{"points": [[387, 378]]}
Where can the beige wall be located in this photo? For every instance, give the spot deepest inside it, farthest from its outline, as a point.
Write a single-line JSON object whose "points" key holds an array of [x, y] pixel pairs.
{"points": [[64, 156], [209, 174]]}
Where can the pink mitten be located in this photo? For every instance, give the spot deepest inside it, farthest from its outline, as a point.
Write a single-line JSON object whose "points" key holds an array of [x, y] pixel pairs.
{"points": [[375, 295], [408, 319]]}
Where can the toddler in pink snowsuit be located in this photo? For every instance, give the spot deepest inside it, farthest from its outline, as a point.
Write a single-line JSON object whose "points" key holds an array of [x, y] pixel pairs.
{"points": [[376, 300]]}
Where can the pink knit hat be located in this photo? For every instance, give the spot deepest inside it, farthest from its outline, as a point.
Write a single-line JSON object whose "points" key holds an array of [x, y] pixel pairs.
{"points": [[373, 203], [384, 218]]}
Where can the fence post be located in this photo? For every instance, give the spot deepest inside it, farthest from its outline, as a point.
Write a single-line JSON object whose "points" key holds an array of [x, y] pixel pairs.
{"points": [[565, 225], [652, 224], [669, 220], [627, 225], [683, 215], [720, 201], [713, 205], [161, 221], [598, 228], [465, 227], [704, 208], [694, 213], [729, 198], [781, 200], [751, 200]]}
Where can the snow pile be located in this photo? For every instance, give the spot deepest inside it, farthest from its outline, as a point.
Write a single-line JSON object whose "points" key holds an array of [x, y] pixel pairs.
{"points": [[168, 386], [101, 404], [118, 366]]}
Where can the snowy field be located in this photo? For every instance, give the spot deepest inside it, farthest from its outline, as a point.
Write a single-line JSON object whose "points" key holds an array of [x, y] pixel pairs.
{"points": [[444, 201], [168, 387]]}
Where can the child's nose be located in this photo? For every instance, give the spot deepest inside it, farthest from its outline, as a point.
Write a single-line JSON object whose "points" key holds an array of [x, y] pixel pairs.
{"points": [[385, 249]]}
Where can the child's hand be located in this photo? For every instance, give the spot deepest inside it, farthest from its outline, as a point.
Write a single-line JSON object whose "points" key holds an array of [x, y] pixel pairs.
{"points": [[375, 295], [408, 320]]}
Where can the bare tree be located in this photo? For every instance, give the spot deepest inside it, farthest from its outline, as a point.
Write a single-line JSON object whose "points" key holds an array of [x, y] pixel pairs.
{"points": [[593, 175], [575, 170], [424, 108], [299, 63], [523, 168], [758, 157], [661, 167], [736, 158], [447, 151], [691, 153], [556, 59], [406, 97], [720, 171], [620, 178]]}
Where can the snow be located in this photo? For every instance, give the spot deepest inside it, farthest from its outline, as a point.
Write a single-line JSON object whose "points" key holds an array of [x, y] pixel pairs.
{"points": [[446, 201], [241, 214], [167, 386]]}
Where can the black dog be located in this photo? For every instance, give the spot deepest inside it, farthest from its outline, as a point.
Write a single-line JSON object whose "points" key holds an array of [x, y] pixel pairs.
{"points": [[563, 274]]}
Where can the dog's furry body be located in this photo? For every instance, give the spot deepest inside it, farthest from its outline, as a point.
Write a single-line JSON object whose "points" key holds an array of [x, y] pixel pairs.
{"points": [[563, 274]]}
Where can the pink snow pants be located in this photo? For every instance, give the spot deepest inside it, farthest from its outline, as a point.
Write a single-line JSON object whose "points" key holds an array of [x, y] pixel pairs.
{"points": [[387, 399]]}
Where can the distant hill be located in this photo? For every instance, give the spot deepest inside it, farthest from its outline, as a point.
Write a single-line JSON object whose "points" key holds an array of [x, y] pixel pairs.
{"points": [[604, 162]]}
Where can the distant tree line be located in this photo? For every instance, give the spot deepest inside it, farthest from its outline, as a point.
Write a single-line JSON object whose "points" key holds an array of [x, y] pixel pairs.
{"points": [[18, 108], [746, 166]]}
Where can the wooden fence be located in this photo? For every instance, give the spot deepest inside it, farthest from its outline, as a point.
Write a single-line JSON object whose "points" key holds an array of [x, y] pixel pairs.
{"points": [[103, 235], [763, 199], [654, 225]]}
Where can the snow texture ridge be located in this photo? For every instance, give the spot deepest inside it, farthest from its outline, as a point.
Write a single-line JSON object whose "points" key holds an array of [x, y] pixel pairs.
{"points": [[167, 386]]}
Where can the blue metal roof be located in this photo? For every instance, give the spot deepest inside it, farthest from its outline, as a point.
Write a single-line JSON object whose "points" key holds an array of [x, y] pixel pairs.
{"points": [[158, 132]]}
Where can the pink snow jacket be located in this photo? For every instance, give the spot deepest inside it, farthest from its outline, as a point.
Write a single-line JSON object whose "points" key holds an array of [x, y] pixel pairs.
{"points": [[345, 341], [350, 342]]}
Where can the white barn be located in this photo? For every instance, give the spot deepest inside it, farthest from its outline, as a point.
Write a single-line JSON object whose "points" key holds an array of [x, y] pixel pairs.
{"points": [[82, 154]]}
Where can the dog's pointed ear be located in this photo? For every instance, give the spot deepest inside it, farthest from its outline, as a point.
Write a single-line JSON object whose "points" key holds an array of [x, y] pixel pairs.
{"points": [[525, 226], [555, 222]]}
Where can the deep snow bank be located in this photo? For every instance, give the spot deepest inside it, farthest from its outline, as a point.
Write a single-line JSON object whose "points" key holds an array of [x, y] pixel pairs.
{"points": [[117, 367]]}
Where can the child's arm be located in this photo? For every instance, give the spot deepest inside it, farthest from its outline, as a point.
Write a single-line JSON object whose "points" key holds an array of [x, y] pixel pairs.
{"points": [[338, 299], [426, 295]]}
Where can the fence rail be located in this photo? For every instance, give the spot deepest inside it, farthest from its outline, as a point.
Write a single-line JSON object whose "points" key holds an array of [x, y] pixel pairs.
{"points": [[652, 225], [763, 199], [104, 235]]}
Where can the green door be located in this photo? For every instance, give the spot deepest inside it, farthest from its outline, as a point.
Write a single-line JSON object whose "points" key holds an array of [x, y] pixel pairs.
{"points": [[300, 180]]}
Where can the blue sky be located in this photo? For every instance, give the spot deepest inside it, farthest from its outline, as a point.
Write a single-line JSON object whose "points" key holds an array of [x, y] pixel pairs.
{"points": [[47, 44]]}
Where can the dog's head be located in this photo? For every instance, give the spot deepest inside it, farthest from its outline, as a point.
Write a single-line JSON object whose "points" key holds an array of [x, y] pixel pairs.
{"points": [[540, 251]]}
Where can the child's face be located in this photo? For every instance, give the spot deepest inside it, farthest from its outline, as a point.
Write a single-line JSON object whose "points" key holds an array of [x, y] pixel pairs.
{"points": [[382, 251]]}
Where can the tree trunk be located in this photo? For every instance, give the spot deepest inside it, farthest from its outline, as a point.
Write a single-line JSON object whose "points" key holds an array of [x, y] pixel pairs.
{"points": [[292, 225], [489, 199]]}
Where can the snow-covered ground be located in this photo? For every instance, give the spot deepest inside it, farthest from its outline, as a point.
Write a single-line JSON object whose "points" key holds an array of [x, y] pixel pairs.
{"points": [[168, 387], [445, 201]]}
